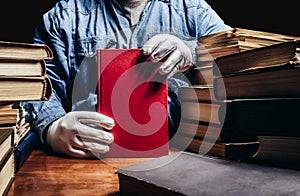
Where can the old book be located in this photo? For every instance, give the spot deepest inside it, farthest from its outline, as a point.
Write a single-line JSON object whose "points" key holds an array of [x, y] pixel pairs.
{"points": [[277, 81], [198, 103], [213, 132], [216, 47], [281, 151], [22, 127], [8, 116], [245, 35], [6, 141], [12, 116], [24, 88], [185, 173], [22, 67], [213, 49], [134, 94], [201, 111], [24, 50], [21, 130], [273, 55], [201, 116], [199, 129], [200, 75], [24, 149], [230, 150], [197, 93], [251, 33], [233, 41], [263, 117], [6, 172]]}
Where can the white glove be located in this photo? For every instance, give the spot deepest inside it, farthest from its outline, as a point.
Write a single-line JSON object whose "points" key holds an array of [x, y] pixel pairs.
{"points": [[179, 56], [81, 134]]}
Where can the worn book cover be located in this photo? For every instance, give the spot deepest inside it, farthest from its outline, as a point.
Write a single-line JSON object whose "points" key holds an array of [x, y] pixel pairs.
{"points": [[279, 151], [263, 117], [24, 149], [134, 94], [278, 81], [22, 67], [24, 50], [230, 150], [7, 172], [25, 88], [185, 173], [6, 141], [258, 58]]}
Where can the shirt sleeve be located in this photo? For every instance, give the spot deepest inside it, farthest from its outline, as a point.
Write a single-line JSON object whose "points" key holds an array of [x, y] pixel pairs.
{"points": [[42, 113], [207, 20]]}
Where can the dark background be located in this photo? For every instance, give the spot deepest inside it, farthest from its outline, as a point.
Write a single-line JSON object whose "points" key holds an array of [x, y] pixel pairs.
{"points": [[18, 18]]}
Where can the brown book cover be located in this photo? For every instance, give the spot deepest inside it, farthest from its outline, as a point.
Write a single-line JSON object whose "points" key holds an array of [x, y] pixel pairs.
{"points": [[201, 75], [201, 111], [213, 132], [246, 35], [231, 150], [22, 67], [203, 93], [6, 141], [251, 60], [7, 172], [24, 50], [281, 151], [263, 117], [186, 173], [25, 88], [272, 82]]}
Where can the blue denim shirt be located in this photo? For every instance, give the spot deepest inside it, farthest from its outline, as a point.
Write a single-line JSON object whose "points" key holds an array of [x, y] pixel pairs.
{"points": [[74, 28]]}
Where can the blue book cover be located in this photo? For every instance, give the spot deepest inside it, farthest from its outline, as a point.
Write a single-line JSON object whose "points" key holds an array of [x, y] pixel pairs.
{"points": [[24, 149]]}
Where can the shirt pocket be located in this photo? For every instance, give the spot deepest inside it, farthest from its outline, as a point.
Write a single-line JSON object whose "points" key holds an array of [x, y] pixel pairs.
{"points": [[87, 47], [84, 50]]}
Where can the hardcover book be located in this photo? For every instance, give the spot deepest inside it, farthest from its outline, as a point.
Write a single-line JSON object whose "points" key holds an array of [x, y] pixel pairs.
{"points": [[229, 150], [6, 172], [6, 141], [273, 82], [201, 116], [24, 50], [14, 89], [280, 151], [263, 117], [134, 94], [24, 149], [185, 173], [22, 67], [258, 58]]}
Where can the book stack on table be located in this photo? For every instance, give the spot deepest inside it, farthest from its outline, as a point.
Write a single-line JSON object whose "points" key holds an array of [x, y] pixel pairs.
{"points": [[228, 42], [255, 93], [22, 78]]}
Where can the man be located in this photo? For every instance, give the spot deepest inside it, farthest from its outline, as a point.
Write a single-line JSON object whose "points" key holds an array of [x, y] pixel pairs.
{"points": [[164, 29]]}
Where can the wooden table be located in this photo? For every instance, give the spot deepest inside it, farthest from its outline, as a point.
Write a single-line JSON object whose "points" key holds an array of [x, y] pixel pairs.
{"points": [[44, 174]]}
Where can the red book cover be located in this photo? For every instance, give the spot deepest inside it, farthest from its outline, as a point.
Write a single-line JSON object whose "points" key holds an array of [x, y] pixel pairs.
{"points": [[134, 94]]}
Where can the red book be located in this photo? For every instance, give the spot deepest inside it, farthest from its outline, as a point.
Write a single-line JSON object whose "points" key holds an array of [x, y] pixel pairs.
{"points": [[134, 94]]}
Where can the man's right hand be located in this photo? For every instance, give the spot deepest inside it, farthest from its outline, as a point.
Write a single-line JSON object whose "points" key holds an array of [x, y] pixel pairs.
{"points": [[81, 134]]}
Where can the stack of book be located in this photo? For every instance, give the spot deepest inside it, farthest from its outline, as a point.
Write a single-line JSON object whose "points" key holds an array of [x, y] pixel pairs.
{"points": [[201, 128], [262, 86], [254, 94], [22, 78], [6, 160], [228, 42]]}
